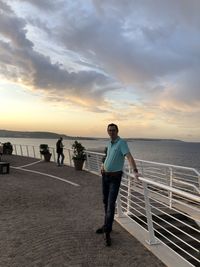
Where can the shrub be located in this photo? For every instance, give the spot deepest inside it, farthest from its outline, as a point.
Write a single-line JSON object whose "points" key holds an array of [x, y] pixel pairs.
{"points": [[78, 151]]}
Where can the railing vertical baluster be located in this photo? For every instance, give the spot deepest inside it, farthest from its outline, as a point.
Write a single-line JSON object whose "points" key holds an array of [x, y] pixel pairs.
{"points": [[98, 165], [54, 154], [34, 152], [21, 150], [27, 151], [170, 184], [152, 240], [129, 193], [70, 160], [142, 168], [15, 148], [119, 207], [88, 161]]}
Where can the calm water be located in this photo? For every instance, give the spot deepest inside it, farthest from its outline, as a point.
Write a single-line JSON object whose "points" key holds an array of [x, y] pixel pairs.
{"points": [[172, 152]]}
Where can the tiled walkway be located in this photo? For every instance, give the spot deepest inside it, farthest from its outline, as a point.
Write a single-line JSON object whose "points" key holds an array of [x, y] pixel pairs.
{"points": [[45, 221]]}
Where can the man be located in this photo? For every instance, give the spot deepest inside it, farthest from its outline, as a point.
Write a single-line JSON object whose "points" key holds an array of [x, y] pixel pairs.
{"points": [[111, 171], [59, 150]]}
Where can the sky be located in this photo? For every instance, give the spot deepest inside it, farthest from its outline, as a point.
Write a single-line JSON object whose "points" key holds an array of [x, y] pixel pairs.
{"points": [[73, 66]]}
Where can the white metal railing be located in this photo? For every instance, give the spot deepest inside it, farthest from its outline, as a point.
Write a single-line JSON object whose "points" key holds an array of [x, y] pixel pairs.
{"points": [[165, 201], [172, 221]]}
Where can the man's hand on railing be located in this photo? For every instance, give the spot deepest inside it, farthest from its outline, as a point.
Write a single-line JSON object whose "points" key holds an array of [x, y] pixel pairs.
{"points": [[135, 173]]}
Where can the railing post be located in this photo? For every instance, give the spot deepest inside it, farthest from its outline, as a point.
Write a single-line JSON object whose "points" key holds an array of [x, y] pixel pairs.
{"points": [[98, 165], [142, 169], [15, 147], [199, 181], [129, 193], [27, 151], [119, 207], [34, 152], [70, 160], [88, 161], [170, 184], [152, 240], [54, 156], [21, 150]]}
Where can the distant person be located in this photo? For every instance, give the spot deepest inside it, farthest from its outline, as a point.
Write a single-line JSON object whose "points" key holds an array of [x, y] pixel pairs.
{"points": [[59, 150], [111, 170]]}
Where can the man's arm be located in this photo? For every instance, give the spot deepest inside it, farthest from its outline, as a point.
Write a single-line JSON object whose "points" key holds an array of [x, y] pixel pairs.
{"points": [[132, 164]]}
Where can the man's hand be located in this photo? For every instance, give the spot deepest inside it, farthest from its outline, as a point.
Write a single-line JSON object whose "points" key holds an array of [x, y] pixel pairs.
{"points": [[137, 175], [102, 168]]}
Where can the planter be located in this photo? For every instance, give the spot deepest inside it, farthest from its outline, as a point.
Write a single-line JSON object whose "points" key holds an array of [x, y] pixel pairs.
{"points": [[78, 164], [44, 150], [47, 157], [7, 148]]}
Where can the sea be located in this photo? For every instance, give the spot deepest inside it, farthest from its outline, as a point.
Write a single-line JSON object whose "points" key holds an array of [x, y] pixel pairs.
{"points": [[164, 151]]}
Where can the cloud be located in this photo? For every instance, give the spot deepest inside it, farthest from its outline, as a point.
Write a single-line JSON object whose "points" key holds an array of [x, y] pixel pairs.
{"points": [[46, 5], [19, 61], [83, 51], [139, 52]]}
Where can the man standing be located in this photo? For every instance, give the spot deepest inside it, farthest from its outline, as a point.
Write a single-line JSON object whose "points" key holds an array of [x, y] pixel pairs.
{"points": [[59, 150], [111, 171]]}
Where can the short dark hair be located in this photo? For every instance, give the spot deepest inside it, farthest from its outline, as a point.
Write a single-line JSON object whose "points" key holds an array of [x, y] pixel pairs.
{"points": [[113, 125]]}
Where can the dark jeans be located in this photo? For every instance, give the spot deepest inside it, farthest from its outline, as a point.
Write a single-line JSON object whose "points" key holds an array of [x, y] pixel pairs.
{"points": [[110, 186], [62, 158]]}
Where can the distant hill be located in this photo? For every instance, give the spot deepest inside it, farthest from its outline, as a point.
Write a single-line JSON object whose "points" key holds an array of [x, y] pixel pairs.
{"points": [[50, 135], [19, 134], [152, 139], [40, 135]]}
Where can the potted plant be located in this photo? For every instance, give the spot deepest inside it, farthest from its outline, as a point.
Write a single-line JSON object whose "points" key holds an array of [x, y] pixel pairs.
{"points": [[44, 150], [79, 155], [7, 148]]}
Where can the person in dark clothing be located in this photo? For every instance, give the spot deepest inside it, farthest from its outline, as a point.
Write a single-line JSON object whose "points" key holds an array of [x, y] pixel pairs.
{"points": [[59, 150]]}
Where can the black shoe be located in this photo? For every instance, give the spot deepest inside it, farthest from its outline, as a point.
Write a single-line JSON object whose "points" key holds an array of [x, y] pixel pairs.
{"points": [[100, 230], [108, 240]]}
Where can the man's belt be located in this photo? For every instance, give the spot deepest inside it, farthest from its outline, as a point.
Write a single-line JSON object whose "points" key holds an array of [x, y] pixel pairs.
{"points": [[112, 173]]}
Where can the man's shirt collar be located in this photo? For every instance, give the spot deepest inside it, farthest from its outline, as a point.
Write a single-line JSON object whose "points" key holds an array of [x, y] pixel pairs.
{"points": [[115, 141]]}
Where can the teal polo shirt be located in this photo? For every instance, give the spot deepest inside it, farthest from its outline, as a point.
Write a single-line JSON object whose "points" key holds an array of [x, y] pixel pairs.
{"points": [[116, 152]]}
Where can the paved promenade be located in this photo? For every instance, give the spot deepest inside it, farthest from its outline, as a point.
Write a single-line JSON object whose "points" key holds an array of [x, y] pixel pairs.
{"points": [[46, 221]]}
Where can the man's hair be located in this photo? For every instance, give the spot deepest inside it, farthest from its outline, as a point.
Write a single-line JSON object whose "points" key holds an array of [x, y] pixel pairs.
{"points": [[113, 125]]}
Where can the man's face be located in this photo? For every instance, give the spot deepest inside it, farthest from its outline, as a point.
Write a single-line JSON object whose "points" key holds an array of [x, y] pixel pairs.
{"points": [[112, 132]]}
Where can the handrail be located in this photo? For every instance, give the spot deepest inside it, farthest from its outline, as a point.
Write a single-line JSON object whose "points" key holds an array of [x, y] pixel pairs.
{"points": [[169, 165], [188, 184], [166, 187], [95, 153]]}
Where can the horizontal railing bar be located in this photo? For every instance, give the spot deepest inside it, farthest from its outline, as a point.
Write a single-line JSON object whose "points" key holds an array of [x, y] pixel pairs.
{"points": [[178, 211], [169, 165], [95, 153], [194, 238], [175, 243], [170, 189], [186, 183]]}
